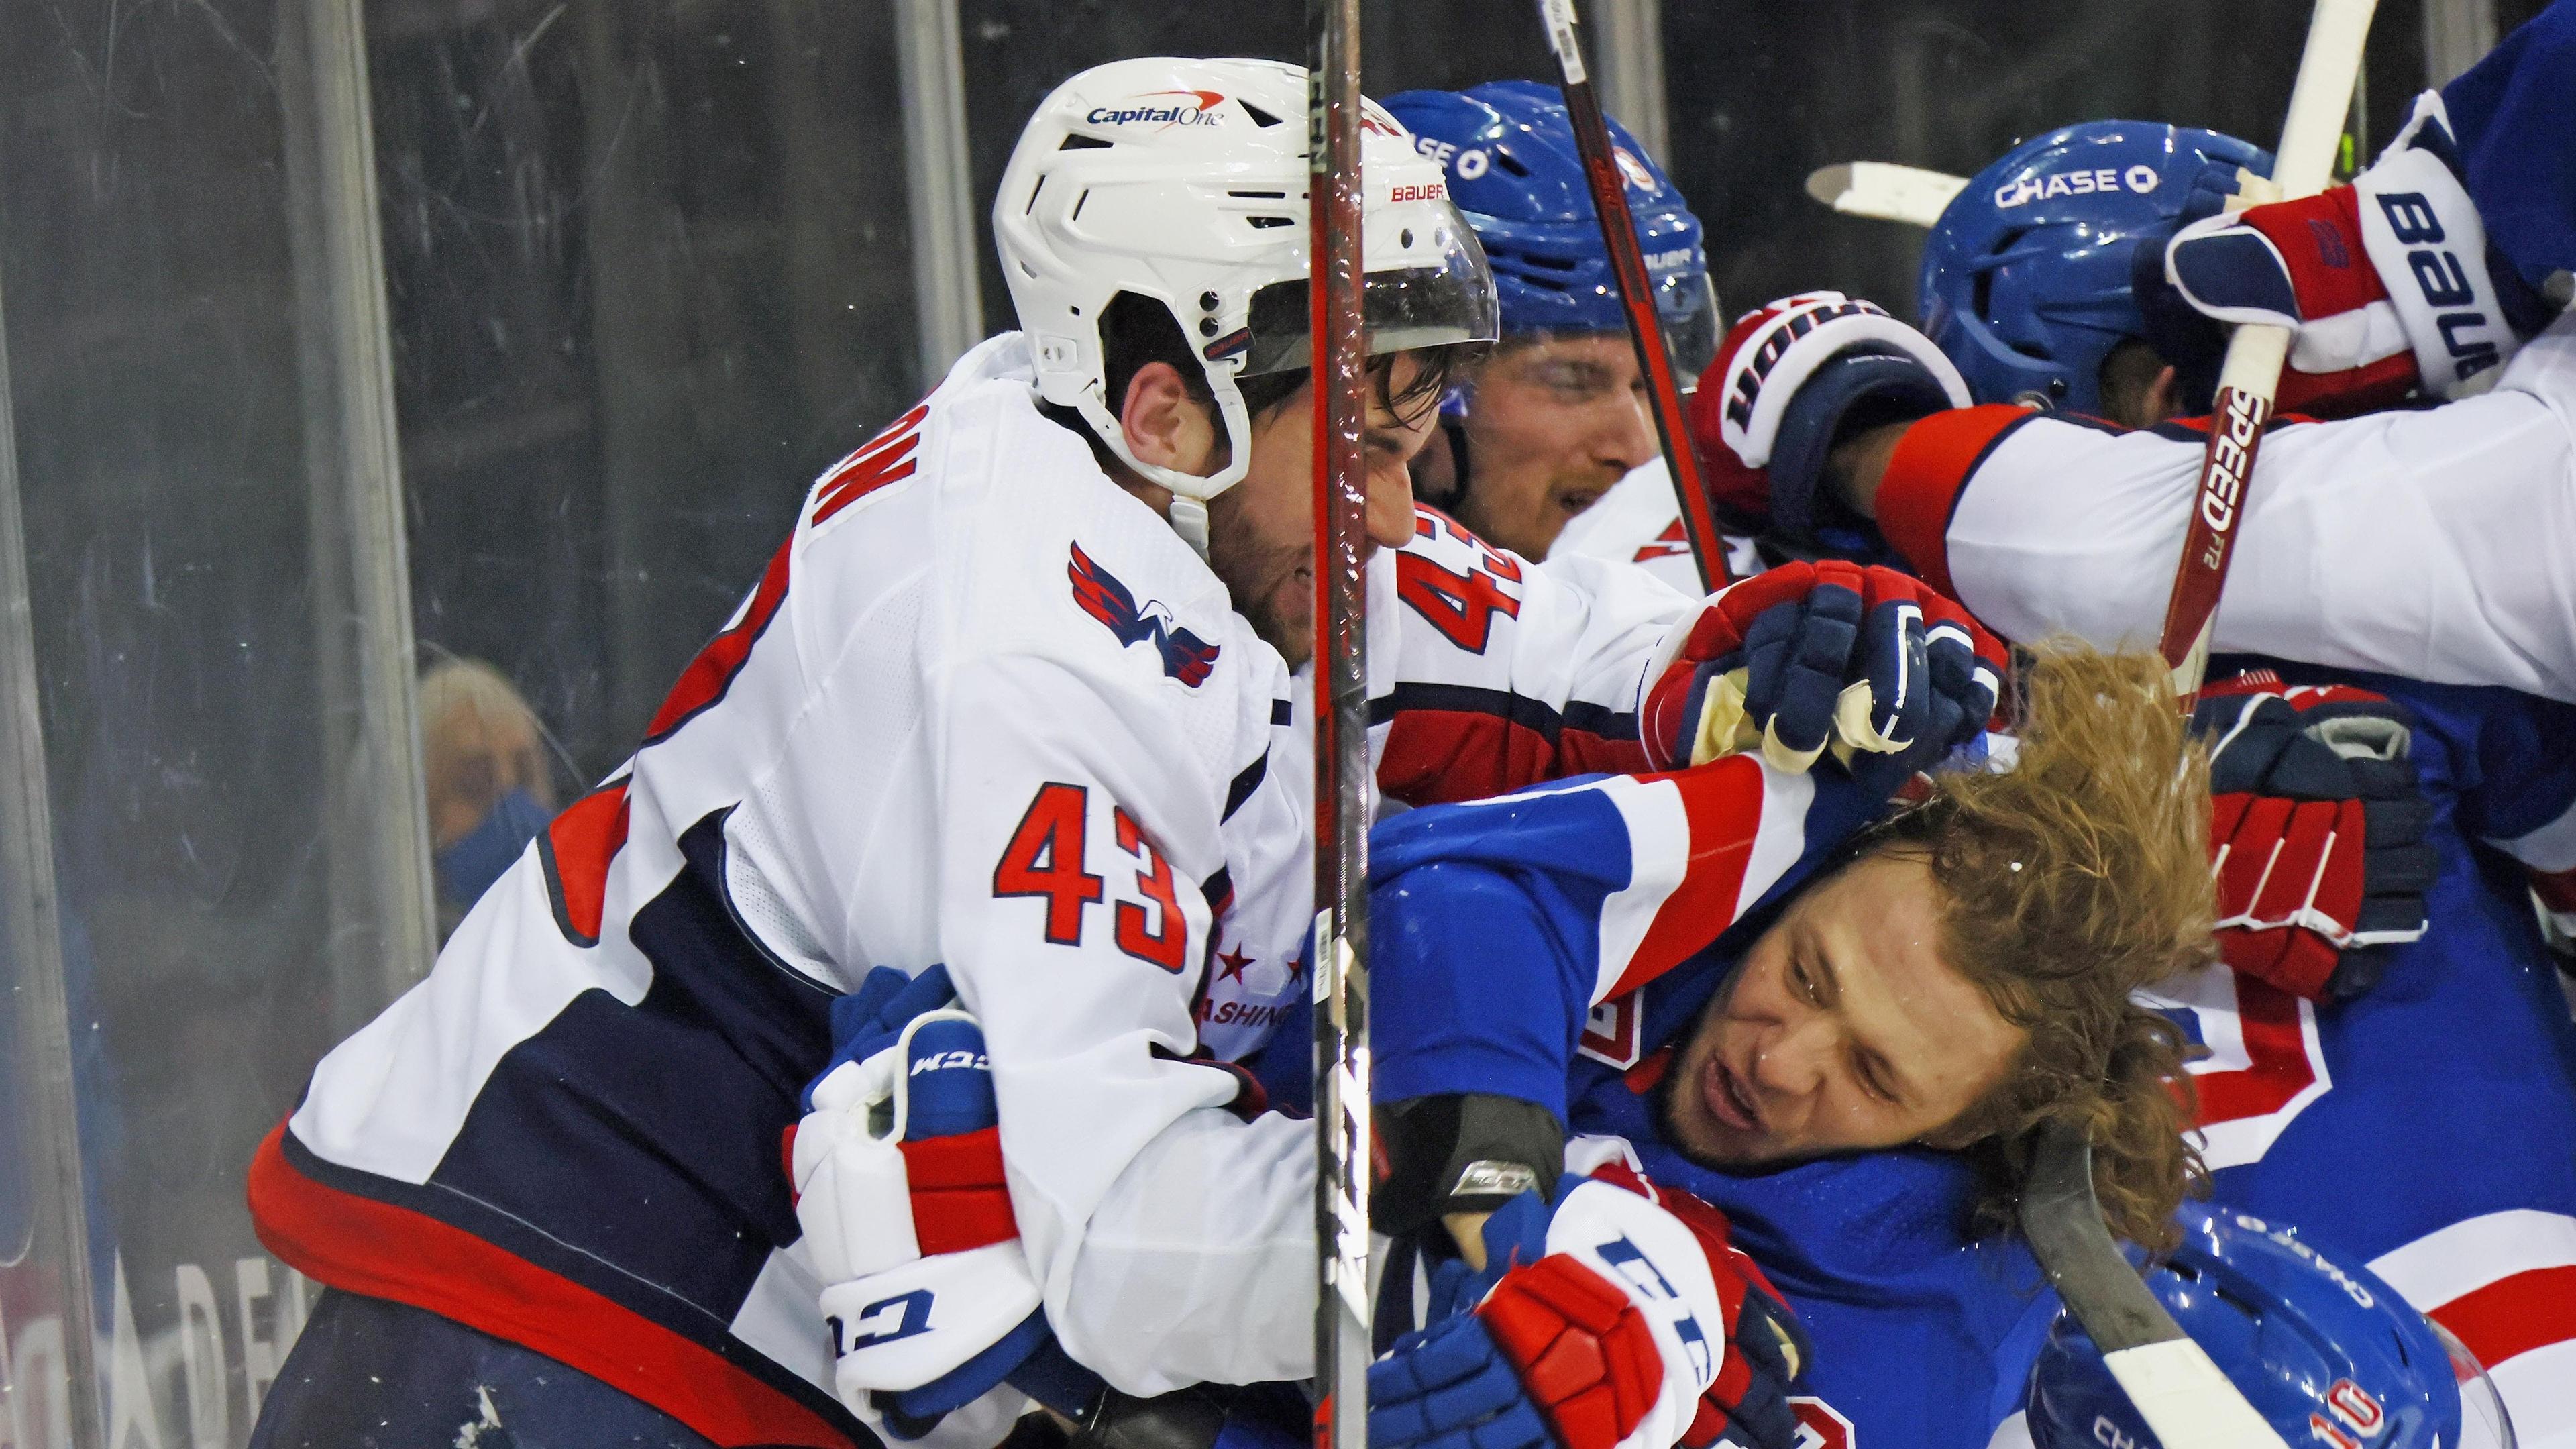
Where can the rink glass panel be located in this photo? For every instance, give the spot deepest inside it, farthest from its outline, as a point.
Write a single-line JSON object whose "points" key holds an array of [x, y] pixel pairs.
{"points": [[1759, 96], [645, 272]]}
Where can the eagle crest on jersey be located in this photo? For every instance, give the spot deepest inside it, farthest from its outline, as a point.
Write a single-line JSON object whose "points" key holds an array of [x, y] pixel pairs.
{"points": [[1186, 657]]}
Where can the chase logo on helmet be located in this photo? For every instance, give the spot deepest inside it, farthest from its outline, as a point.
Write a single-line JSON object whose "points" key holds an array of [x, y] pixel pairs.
{"points": [[1195, 108], [2140, 178], [1467, 165], [2306, 1254]]}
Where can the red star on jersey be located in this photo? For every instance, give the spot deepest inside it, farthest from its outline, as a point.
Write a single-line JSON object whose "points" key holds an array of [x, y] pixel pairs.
{"points": [[1234, 961], [1296, 970]]}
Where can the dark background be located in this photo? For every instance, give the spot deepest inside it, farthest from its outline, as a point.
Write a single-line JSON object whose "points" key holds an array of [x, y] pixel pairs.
{"points": [[649, 272]]}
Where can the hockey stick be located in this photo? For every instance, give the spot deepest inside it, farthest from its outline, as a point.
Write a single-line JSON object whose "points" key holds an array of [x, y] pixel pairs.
{"points": [[1340, 952], [2182, 1394], [1885, 190], [2184, 1397], [1636, 289], [2251, 376]]}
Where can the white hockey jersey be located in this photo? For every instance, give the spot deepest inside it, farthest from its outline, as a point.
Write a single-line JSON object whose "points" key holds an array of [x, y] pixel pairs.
{"points": [[2434, 544], [1639, 521], [984, 708]]}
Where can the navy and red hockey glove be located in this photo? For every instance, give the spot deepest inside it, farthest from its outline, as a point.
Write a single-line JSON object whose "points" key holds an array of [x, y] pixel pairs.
{"points": [[1870, 663], [1611, 1321], [2317, 832], [2387, 283], [897, 1168], [1791, 379]]}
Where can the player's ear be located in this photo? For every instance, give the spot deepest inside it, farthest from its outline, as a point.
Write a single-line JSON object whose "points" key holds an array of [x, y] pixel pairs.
{"points": [[2162, 404], [1165, 425]]}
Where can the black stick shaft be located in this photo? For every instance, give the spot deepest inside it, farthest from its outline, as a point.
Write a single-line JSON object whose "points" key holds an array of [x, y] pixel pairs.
{"points": [[1340, 676], [1636, 289]]}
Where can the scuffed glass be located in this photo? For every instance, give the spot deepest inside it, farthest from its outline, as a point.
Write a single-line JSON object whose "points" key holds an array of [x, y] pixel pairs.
{"points": [[393, 419], [650, 272], [1759, 96], [610, 286]]}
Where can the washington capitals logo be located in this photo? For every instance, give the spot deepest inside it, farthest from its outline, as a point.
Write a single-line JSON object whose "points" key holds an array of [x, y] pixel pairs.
{"points": [[1186, 657]]}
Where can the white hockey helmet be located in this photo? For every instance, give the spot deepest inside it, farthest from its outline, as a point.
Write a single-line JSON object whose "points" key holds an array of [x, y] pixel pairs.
{"points": [[1185, 181]]}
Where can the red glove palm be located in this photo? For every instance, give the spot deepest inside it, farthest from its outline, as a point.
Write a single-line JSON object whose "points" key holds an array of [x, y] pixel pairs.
{"points": [[1585, 1354], [2316, 833]]}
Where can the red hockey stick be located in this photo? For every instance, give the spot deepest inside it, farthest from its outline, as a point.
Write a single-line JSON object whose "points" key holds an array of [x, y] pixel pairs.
{"points": [[2251, 377], [1340, 951], [1636, 289]]}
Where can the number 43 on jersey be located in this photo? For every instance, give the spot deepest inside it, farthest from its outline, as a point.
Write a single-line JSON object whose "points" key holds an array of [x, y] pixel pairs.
{"points": [[1046, 859]]}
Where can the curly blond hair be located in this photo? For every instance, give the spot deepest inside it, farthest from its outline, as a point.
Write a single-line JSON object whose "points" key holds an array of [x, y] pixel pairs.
{"points": [[2068, 882]]}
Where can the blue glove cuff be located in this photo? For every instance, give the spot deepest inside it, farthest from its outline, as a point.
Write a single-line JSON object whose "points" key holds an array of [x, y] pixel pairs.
{"points": [[1857, 386]]}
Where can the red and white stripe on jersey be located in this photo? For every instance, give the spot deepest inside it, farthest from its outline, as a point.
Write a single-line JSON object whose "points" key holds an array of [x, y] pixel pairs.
{"points": [[2549, 855], [1703, 846], [1925, 475], [2263, 1067], [2505, 1284]]}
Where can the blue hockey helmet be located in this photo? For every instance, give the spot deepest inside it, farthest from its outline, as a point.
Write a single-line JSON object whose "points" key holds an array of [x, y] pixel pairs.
{"points": [[1508, 148], [2027, 273], [2326, 1353]]}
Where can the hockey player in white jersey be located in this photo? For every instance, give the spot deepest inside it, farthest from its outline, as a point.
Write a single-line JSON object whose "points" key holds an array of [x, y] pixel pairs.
{"points": [[1016, 698], [2427, 543], [1547, 448]]}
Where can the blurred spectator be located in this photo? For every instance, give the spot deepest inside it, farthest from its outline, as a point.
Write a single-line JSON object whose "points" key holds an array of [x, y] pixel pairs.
{"points": [[484, 768]]}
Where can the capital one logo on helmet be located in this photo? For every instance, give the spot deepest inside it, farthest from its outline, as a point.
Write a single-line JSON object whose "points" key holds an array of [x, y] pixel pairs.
{"points": [[2099, 180], [1639, 178], [1193, 108]]}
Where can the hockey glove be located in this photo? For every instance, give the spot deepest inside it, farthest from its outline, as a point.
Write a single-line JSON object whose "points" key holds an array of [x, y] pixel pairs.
{"points": [[1611, 1322], [1790, 380], [897, 1168], [2317, 833], [2387, 282], [1868, 662]]}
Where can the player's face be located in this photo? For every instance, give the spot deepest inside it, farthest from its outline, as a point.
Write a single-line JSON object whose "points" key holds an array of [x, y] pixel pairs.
{"points": [[1553, 424], [1843, 1031], [1261, 532]]}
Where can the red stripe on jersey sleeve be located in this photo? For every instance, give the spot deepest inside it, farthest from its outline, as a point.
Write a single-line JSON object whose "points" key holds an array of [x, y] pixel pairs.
{"points": [[1438, 756], [1722, 802], [364, 1246], [576, 850], [2514, 1314], [1925, 476]]}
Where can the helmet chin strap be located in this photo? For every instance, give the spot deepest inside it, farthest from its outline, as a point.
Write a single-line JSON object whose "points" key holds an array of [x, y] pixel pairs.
{"points": [[1190, 520]]}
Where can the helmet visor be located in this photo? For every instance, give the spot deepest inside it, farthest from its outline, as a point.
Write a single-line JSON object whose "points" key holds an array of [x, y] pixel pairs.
{"points": [[2483, 1422], [1447, 301], [1686, 305]]}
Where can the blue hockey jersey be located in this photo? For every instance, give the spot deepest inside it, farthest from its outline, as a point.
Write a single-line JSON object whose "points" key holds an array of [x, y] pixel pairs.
{"points": [[1547, 945], [2429, 1127]]}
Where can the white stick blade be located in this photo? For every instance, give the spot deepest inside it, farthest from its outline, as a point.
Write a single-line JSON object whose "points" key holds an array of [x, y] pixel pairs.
{"points": [[2186, 1400], [1885, 190]]}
